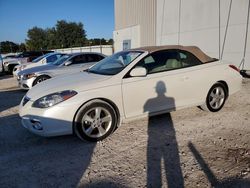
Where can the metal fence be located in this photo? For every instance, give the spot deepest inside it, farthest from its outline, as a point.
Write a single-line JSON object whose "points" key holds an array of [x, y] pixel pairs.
{"points": [[105, 49]]}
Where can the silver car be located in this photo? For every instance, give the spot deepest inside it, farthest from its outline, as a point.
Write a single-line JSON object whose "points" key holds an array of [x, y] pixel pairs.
{"points": [[41, 60], [70, 63]]}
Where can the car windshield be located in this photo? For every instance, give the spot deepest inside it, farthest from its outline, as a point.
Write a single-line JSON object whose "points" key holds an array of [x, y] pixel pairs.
{"points": [[114, 64], [39, 58], [61, 60]]}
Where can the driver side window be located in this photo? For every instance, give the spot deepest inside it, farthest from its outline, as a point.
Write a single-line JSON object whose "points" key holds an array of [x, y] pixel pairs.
{"points": [[78, 59], [161, 61]]}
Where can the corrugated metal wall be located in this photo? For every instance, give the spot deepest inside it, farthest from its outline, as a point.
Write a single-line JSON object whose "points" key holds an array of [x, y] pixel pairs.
{"points": [[203, 23], [137, 12]]}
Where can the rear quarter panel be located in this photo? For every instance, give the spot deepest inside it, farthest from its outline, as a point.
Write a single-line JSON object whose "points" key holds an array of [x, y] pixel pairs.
{"points": [[219, 72]]}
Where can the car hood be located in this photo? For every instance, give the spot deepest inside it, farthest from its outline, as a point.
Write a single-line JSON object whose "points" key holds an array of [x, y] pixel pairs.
{"points": [[78, 82], [31, 65], [38, 69]]}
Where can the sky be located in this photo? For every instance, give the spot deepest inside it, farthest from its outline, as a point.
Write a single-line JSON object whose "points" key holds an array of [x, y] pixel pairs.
{"points": [[18, 16]]}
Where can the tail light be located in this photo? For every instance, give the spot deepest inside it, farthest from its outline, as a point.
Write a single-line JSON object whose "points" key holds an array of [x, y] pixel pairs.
{"points": [[234, 67]]}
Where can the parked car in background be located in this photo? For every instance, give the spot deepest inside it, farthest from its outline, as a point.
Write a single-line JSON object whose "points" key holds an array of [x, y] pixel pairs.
{"points": [[70, 63], [42, 60], [1, 63], [127, 85], [10, 63], [9, 56]]}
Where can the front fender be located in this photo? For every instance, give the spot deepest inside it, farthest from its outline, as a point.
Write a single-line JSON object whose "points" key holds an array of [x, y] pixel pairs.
{"points": [[44, 73]]}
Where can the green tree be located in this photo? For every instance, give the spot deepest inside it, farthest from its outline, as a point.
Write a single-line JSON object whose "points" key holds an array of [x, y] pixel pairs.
{"points": [[100, 41], [22, 47], [36, 39], [70, 34], [8, 47], [51, 40], [110, 42]]}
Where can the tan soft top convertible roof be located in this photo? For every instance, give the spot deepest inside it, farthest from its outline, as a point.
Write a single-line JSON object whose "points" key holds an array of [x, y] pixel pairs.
{"points": [[192, 49]]}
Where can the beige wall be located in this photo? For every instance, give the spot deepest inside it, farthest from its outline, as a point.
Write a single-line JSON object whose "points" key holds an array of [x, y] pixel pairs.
{"points": [[142, 13]]}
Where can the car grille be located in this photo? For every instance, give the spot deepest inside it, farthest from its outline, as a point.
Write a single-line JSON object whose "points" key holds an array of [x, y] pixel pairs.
{"points": [[25, 100]]}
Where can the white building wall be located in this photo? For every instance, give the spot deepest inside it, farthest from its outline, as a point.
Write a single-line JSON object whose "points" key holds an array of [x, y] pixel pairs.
{"points": [[130, 33], [132, 13], [196, 22]]}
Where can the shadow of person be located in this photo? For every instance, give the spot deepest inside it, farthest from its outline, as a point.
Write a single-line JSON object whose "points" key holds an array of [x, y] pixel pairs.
{"points": [[162, 144], [214, 181]]}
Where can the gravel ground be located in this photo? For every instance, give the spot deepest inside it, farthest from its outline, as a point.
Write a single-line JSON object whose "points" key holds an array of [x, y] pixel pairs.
{"points": [[189, 148]]}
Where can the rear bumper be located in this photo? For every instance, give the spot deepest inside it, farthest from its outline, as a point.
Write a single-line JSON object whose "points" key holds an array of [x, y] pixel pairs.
{"points": [[235, 84]]}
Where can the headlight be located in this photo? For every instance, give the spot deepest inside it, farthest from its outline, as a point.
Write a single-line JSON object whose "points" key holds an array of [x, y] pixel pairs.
{"points": [[53, 99], [28, 76]]}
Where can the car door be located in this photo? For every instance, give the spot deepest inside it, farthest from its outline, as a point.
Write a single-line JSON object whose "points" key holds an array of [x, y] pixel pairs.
{"points": [[162, 88], [81, 62], [197, 78], [76, 65]]}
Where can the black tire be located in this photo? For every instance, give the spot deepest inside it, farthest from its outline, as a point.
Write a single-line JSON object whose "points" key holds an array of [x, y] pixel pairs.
{"points": [[220, 98], [10, 69], [40, 79], [81, 125]]}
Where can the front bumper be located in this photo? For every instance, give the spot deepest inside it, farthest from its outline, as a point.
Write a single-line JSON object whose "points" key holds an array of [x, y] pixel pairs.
{"points": [[25, 84], [15, 72], [45, 126], [53, 121]]}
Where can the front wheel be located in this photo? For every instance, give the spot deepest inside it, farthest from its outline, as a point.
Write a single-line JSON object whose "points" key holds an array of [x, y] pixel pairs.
{"points": [[216, 98], [95, 121], [40, 79]]}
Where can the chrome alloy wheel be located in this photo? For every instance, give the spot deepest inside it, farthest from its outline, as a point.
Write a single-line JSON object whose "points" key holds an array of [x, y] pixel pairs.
{"points": [[96, 122], [217, 97]]}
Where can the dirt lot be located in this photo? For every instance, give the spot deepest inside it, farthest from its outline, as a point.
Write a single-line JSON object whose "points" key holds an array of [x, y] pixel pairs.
{"points": [[189, 147]]}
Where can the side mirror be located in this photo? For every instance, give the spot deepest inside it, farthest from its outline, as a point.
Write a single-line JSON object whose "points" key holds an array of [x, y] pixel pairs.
{"points": [[138, 72], [67, 63]]}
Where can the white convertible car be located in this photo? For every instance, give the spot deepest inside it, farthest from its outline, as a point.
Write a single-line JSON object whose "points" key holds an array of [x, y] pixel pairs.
{"points": [[128, 85]]}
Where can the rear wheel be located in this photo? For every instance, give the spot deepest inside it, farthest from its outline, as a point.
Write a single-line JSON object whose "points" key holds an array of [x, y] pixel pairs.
{"points": [[216, 98], [40, 79], [95, 121]]}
